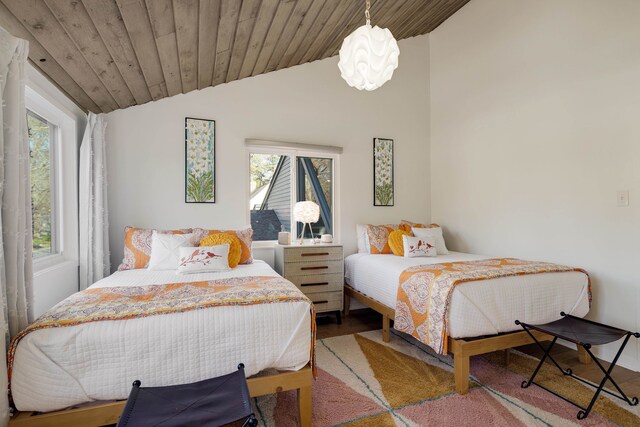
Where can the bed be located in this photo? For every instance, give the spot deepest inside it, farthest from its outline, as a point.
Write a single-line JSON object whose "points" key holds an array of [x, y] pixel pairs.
{"points": [[481, 314], [58, 368]]}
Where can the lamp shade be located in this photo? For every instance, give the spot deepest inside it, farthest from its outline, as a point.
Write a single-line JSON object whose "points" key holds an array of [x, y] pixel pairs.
{"points": [[368, 57], [306, 212]]}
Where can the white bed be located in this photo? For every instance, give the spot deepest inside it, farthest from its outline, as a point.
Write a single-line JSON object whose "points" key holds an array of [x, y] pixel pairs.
{"points": [[60, 367], [478, 308]]}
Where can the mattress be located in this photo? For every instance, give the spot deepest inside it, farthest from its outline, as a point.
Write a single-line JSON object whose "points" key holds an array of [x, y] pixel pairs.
{"points": [[60, 367], [485, 307]]}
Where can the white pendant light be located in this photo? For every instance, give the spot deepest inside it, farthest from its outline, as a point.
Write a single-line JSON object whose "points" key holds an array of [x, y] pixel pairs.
{"points": [[368, 56]]}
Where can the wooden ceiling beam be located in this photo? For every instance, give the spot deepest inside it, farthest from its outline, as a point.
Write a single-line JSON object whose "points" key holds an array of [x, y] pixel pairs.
{"points": [[186, 21], [36, 17], [209, 19], [280, 19], [136, 21], [288, 33], [42, 60], [229, 14], [164, 32], [73, 17], [262, 25], [107, 20]]}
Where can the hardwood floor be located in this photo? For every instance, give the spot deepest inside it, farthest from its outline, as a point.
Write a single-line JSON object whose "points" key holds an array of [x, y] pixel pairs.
{"points": [[368, 320]]}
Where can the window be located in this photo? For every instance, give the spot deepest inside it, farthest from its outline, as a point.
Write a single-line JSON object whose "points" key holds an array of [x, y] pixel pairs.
{"points": [[42, 148], [278, 179]]}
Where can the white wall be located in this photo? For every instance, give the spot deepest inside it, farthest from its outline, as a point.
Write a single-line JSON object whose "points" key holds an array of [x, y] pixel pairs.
{"points": [[309, 104], [535, 125]]}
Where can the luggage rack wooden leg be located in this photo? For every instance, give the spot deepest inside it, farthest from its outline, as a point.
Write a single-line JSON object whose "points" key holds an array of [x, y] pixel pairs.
{"points": [[583, 412]]}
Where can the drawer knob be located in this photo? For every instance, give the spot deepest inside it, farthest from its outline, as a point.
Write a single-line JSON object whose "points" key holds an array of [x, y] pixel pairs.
{"points": [[320, 267], [315, 254], [315, 284]]}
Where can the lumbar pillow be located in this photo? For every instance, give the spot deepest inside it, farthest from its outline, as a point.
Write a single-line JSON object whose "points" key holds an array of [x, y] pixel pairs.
{"points": [[436, 233], [245, 236], [395, 241], [235, 250], [204, 259], [165, 250], [419, 246]]}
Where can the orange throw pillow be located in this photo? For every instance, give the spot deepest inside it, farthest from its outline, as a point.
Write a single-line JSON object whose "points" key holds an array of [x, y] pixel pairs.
{"points": [[395, 241], [408, 225], [379, 237], [235, 248]]}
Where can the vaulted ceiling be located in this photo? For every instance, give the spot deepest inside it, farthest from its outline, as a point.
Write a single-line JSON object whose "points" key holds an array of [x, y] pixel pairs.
{"points": [[110, 54]]}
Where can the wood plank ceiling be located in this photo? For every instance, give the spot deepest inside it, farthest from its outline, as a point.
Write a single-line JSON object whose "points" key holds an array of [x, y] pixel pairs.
{"points": [[111, 54]]}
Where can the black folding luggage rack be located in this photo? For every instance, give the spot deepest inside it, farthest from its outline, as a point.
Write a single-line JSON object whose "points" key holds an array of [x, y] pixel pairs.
{"points": [[211, 403], [585, 333]]}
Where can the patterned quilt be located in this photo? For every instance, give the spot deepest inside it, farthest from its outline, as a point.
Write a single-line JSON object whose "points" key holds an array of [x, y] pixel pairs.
{"points": [[130, 302], [425, 292]]}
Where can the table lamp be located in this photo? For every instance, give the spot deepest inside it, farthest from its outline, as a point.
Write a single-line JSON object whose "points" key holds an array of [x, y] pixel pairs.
{"points": [[306, 213]]}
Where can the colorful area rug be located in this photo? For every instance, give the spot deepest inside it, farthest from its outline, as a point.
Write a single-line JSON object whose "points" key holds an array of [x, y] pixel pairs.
{"points": [[365, 382]]}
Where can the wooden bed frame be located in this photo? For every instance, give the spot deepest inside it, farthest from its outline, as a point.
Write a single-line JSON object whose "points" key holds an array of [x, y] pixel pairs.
{"points": [[102, 414], [462, 349]]}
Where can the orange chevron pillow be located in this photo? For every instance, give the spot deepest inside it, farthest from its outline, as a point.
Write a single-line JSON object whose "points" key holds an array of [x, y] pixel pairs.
{"points": [[235, 248], [396, 243]]}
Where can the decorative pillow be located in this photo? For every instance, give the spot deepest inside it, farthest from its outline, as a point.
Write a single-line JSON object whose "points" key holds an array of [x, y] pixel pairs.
{"points": [[137, 246], [243, 235], [396, 242], [204, 259], [436, 233], [379, 238], [363, 239], [419, 246], [165, 250], [408, 225], [235, 249]]}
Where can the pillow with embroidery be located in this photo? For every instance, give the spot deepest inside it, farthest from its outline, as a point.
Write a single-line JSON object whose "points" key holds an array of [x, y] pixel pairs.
{"points": [[419, 246], [204, 259], [379, 238], [165, 251], [245, 236], [235, 248], [137, 246], [436, 233]]}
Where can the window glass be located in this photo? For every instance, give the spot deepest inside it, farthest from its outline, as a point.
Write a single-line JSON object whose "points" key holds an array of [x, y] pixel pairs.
{"points": [[41, 141], [270, 199], [315, 183]]}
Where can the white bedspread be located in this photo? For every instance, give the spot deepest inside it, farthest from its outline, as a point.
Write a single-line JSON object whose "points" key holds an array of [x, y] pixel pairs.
{"points": [[478, 308], [60, 367]]}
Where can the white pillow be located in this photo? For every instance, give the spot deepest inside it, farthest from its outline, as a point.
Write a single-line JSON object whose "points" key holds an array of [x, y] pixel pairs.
{"points": [[419, 246], [435, 232], [363, 239], [165, 250], [204, 259]]}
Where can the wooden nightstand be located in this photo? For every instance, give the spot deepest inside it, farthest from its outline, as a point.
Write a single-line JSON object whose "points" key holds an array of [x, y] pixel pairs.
{"points": [[317, 270]]}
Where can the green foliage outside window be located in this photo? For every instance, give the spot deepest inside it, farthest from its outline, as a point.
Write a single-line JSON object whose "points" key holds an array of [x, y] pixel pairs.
{"points": [[40, 149]]}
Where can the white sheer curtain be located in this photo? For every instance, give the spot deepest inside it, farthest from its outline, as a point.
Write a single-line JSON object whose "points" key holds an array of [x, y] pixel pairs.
{"points": [[94, 221], [16, 274]]}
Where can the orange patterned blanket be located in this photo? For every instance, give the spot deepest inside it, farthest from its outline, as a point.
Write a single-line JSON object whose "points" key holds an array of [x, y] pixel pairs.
{"points": [[425, 292], [130, 302]]}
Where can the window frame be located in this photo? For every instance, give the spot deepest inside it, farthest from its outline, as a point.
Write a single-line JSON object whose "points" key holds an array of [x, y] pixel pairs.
{"points": [[301, 150], [64, 181]]}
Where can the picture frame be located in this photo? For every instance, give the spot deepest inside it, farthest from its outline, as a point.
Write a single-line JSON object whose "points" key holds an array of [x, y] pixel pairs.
{"points": [[383, 179], [200, 160]]}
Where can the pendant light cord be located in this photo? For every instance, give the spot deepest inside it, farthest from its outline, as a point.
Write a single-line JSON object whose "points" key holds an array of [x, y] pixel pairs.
{"points": [[366, 11]]}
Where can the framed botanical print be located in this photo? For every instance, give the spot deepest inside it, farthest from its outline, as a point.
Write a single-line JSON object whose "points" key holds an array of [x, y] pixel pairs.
{"points": [[200, 160], [383, 191]]}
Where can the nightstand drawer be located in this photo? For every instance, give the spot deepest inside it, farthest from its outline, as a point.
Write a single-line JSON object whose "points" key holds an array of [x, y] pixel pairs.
{"points": [[318, 282], [313, 253], [312, 268], [326, 301]]}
